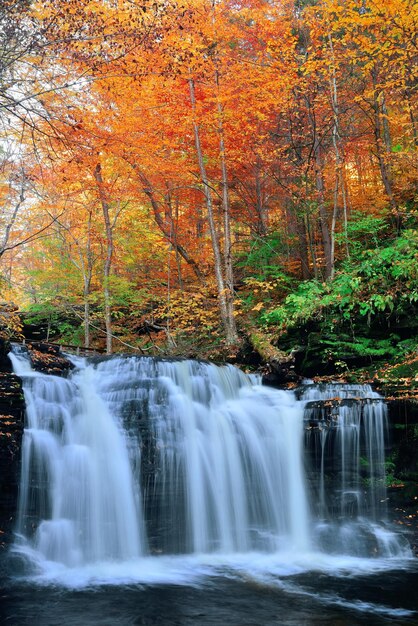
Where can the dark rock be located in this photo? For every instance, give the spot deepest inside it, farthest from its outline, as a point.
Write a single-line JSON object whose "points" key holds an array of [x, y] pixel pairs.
{"points": [[278, 374], [5, 364], [11, 431]]}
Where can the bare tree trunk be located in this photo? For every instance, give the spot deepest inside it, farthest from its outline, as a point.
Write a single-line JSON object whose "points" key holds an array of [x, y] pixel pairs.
{"points": [[87, 276], [385, 123], [319, 182], [323, 217], [86, 317], [229, 270], [382, 151], [228, 323], [178, 256], [339, 161], [307, 223], [260, 206], [109, 255], [303, 247]]}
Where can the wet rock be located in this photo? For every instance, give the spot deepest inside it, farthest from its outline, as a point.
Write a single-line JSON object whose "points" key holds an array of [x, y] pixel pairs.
{"points": [[11, 431], [48, 358]]}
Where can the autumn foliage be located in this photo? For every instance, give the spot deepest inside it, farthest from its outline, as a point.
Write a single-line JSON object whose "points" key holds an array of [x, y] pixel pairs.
{"points": [[183, 164]]}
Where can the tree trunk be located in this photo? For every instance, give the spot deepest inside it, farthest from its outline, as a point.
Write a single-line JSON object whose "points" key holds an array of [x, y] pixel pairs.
{"points": [[228, 323], [109, 255], [87, 277], [260, 205], [339, 160], [319, 182], [303, 247], [229, 270], [280, 366], [86, 321], [323, 217], [382, 151], [178, 256]]}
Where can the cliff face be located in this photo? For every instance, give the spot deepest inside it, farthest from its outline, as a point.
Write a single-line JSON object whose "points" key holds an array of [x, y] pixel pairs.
{"points": [[11, 431]]}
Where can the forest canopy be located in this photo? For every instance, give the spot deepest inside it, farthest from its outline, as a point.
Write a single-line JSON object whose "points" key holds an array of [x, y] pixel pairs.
{"points": [[172, 172]]}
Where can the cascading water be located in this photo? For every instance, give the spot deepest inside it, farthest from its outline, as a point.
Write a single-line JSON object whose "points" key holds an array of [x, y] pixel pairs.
{"points": [[77, 491], [133, 457], [223, 456], [347, 431]]}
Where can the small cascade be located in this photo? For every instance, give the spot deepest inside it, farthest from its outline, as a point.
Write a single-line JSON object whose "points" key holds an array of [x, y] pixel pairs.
{"points": [[129, 457], [346, 436]]}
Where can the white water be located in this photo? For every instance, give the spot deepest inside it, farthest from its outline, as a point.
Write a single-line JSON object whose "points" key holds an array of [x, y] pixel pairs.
{"points": [[77, 487], [351, 440], [158, 471]]}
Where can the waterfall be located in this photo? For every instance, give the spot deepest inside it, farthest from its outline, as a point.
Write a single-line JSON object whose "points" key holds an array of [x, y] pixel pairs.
{"points": [[127, 458], [77, 489], [223, 454], [351, 423], [347, 433]]}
